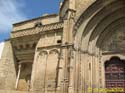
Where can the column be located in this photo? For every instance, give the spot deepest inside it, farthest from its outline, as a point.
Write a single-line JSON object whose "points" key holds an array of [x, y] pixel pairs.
{"points": [[18, 76], [83, 73], [60, 73], [71, 78], [76, 72]]}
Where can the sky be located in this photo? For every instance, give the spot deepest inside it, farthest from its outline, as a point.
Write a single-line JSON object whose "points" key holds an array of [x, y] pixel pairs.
{"points": [[1, 48], [14, 11]]}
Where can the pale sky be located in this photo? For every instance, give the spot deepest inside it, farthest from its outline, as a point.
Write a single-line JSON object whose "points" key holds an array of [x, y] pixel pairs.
{"points": [[13, 11], [1, 48]]}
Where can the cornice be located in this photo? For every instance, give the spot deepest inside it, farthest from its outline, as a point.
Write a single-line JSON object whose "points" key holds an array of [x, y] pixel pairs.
{"points": [[41, 17], [36, 30], [48, 47]]}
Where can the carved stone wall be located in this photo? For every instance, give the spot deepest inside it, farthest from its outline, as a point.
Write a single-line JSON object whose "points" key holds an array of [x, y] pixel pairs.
{"points": [[46, 62], [45, 70], [52, 70], [63, 61], [50, 39], [40, 71]]}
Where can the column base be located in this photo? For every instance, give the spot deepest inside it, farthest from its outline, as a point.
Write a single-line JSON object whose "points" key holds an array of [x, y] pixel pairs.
{"points": [[70, 89]]}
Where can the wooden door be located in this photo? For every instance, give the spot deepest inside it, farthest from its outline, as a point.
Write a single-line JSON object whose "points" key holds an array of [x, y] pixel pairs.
{"points": [[115, 75]]}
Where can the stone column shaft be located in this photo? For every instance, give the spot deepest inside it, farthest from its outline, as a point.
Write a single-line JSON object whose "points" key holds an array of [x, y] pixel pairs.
{"points": [[71, 78], [60, 72], [18, 76]]}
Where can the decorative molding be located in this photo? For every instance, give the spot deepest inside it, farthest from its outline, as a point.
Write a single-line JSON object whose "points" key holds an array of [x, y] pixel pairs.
{"points": [[45, 52], [72, 55], [54, 51], [48, 47], [61, 56], [32, 31], [73, 13], [113, 52], [92, 10], [67, 45], [87, 52]]}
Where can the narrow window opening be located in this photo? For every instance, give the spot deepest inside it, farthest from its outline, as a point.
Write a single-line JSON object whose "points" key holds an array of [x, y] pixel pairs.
{"points": [[59, 41], [38, 24]]}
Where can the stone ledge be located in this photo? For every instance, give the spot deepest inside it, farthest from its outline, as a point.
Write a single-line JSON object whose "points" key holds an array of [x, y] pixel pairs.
{"points": [[14, 91]]}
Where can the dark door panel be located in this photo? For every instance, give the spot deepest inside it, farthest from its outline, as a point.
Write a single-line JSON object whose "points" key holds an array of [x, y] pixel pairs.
{"points": [[115, 75]]}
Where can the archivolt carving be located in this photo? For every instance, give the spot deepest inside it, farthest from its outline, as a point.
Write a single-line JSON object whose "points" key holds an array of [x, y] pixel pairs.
{"points": [[92, 10], [95, 24], [108, 31], [96, 31], [109, 19]]}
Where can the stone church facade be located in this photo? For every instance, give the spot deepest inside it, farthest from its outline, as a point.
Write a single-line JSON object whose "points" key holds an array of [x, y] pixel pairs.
{"points": [[80, 50]]}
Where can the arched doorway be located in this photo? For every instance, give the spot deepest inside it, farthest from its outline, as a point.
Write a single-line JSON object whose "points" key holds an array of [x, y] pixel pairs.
{"points": [[115, 74], [97, 37]]}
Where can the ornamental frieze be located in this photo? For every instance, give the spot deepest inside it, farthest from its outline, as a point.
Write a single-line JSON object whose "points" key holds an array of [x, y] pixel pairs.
{"points": [[36, 30]]}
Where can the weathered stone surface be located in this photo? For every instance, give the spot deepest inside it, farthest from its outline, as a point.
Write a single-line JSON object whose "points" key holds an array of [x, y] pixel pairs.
{"points": [[7, 67], [82, 5], [44, 20], [71, 55]]}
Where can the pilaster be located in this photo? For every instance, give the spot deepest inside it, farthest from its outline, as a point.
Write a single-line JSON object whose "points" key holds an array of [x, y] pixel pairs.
{"points": [[68, 44]]}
